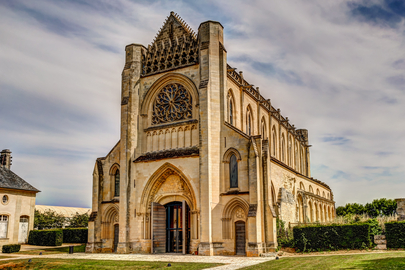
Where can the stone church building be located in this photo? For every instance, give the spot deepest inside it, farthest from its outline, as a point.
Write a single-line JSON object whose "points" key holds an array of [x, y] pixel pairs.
{"points": [[205, 163]]}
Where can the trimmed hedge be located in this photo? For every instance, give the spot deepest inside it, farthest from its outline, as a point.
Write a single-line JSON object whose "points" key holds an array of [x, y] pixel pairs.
{"points": [[332, 237], [395, 234], [52, 237], [10, 248], [75, 235]]}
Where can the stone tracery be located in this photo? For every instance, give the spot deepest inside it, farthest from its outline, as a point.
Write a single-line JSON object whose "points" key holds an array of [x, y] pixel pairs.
{"points": [[172, 103]]}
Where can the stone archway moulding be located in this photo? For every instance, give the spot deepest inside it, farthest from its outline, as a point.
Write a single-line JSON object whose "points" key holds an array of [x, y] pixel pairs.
{"points": [[182, 189], [147, 102]]}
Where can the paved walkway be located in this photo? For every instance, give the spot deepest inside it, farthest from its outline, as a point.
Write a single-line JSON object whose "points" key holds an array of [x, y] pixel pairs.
{"points": [[232, 262]]}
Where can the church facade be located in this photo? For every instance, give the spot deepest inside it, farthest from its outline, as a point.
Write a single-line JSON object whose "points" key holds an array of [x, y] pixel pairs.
{"points": [[205, 164]]}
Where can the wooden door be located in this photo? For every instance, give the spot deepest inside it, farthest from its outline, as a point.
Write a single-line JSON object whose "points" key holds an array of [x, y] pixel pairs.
{"points": [[158, 214], [240, 242], [116, 236]]}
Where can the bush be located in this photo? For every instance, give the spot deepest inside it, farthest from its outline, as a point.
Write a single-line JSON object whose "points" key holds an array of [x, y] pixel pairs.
{"points": [[75, 235], [332, 237], [10, 248], [284, 236], [395, 234], [52, 237]]}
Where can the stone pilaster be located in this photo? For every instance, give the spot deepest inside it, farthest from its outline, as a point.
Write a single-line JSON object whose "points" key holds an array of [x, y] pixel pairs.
{"points": [[129, 135], [212, 72]]}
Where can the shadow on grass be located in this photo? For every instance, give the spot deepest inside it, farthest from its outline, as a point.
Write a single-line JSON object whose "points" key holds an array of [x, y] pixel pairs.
{"points": [[56, 250]]}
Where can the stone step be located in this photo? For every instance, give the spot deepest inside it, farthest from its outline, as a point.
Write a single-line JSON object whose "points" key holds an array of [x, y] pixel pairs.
{"points": [[381, 247]]}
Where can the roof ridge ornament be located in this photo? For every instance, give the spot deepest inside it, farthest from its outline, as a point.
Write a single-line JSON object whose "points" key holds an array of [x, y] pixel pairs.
{"points": [[181, 21]]}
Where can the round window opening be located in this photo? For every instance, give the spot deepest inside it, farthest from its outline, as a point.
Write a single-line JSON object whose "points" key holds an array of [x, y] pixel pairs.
{"points": [[5, 199]]}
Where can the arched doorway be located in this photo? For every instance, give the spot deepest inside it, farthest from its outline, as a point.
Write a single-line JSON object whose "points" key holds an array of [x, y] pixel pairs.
{"points": [[166, 189], [171, 227], [116, 237], [240, 238]]}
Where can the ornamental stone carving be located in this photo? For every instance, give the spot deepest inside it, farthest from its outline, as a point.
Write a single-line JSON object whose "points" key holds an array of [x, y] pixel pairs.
{"points": [[173, 103]]}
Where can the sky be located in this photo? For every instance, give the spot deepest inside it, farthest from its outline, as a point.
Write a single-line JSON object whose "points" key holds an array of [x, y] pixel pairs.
{"points": [[336, 68]]}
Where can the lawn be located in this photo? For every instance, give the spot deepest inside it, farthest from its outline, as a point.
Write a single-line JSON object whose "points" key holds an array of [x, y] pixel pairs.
{"points": [[386, 260], [37, 263]]}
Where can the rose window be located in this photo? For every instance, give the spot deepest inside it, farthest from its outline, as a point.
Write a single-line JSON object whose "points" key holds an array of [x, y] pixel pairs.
{"points": [[173, 103]]}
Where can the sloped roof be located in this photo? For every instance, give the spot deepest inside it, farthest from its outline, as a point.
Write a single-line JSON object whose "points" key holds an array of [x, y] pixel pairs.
{"points": [[63, 210], [10, 180]]}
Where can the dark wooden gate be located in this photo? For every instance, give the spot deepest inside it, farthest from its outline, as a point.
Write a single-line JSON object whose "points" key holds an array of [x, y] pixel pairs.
{"points": [[116, 236], [240, 242], [158, 214]]}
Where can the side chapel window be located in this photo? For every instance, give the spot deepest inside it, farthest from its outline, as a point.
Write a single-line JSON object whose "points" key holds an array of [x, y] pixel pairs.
{"points": [[117, 183], [233, 172]]}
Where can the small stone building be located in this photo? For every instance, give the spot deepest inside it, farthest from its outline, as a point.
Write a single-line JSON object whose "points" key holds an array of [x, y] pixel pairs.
{"points": [[205, 163], [17, 204]]}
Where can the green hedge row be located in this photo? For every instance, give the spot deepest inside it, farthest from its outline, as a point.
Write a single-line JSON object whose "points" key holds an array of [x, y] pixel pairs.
{"points": [[75, 235], [395, 234], [10, 248], [56, 237], [46, 237], [332, 237]]}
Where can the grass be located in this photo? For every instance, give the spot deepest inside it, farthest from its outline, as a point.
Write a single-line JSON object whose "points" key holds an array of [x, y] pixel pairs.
{"points": [[387, 260], [56, 250], [97, 264]]}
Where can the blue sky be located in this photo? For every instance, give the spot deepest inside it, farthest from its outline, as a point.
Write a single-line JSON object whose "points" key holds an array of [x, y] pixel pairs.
{"points": [[336, 68]]}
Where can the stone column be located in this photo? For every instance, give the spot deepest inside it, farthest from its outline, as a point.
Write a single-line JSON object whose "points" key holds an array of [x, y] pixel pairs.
{"points": [[212, 70], [129, 135], [400, 209]]}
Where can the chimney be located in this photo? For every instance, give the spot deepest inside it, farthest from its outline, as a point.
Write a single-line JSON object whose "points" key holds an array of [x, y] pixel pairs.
{"points": [[5, 158]]}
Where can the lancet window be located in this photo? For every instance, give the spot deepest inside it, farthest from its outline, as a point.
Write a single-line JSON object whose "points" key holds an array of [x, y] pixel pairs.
{"points": [[117, 183], [233, 172], [172, 103], [248, 122]]}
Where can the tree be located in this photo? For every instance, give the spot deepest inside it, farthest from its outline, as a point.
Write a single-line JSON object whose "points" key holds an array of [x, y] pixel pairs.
{"points": [[379, 207], [79, 220], [48, 220]]}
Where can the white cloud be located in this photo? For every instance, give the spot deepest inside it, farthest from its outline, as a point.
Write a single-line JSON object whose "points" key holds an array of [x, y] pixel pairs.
{"points": [[327, 71]]}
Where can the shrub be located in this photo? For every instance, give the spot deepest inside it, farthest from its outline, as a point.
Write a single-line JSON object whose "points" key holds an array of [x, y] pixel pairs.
{"points": [[10, 248], [395, 234], [332, 237], [75, 235], [284, 236], [52, 237]]}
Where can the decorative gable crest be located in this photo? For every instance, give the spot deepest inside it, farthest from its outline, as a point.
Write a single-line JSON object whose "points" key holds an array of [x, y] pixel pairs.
{"points": [[174, 46]]}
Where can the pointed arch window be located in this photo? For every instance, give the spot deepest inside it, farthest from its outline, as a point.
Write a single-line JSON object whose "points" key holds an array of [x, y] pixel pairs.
{"points": [[117, 183], [230, 111], [274, 142], [264, 131], [233, 171], [283, 148], [248, 122]]}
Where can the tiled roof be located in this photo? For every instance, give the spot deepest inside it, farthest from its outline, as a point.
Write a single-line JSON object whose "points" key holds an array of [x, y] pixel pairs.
{"points": [[10, 180]]}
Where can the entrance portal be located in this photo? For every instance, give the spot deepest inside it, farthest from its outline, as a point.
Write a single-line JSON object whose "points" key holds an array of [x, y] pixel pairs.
{"points": [[174, 237], [240, 238], [116, 235]]}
